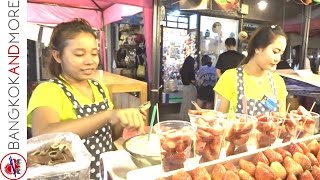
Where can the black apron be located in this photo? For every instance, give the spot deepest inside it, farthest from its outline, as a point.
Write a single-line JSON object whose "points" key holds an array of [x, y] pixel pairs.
{"points": [[254, 107], [101, 140]]}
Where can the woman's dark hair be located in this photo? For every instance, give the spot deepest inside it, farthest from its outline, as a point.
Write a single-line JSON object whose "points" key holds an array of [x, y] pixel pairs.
{"points": [[188, 65], [206, 60], [63, 32], [262, 38]]}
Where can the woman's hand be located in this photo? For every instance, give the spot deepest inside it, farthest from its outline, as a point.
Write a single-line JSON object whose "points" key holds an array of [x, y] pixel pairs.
{"points": [[130, 118]]}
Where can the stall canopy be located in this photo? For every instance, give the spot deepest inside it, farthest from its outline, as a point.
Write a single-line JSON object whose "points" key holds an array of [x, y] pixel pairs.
{"points": [[98, 12]]}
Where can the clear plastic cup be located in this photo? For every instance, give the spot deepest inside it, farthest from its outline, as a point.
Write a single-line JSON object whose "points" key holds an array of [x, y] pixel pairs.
{"points": [[209, 135], [288, 127], [308, 124], [267, 130], [176, 139], [239, 133]]}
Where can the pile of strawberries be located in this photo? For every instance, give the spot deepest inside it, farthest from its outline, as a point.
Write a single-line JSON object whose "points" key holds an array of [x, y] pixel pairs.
{"points": [[295, 161]]}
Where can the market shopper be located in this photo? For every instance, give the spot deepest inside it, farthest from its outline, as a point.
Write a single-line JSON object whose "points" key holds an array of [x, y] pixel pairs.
{"points": [[72, 101], [229, 59], [206, 79], [189, 93], [254, 84]]}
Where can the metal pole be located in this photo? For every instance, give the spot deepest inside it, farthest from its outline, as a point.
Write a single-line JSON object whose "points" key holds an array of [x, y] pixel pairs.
{"points": [[304, 47], [155, 56]]}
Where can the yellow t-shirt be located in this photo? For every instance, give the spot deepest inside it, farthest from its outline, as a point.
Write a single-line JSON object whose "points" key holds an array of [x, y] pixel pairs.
{"points": [[228, 84], [50, 94]]}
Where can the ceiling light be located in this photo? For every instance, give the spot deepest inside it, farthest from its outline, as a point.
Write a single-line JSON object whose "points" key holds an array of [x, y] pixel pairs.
{"points": [[262, 5]]}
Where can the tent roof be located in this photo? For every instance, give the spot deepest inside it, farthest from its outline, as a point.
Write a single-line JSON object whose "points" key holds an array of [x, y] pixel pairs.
{"points": [[93, 4]]}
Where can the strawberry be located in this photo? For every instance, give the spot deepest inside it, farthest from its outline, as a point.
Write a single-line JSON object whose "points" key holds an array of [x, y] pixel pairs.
{"points": [[200, 173], [260, 157], [291, 176], [230, 167], [181, 175], [304, 147], [231, 175], [314, 147], [315, 171], [302, 159], [248, 166], [284, 153], [279, 170], [306, 175], [293, 148], [303, 111], [291, 166], [218, 172], [273, 156], [312, 159], [244, 175], [264, 172], [318, 156]]}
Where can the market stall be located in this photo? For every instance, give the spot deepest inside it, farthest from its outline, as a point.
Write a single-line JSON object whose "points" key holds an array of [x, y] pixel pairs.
{"points": [[98, 13]]}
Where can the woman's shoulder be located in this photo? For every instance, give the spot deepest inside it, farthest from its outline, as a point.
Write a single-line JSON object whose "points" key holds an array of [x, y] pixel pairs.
{"points": [[277, 78], [230, 72], [47, 86]]}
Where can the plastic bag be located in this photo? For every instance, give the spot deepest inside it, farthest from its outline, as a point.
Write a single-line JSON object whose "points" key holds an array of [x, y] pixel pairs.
{"points": [[77, 170]]}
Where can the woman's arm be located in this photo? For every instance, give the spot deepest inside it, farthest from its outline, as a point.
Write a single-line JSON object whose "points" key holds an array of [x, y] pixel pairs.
{"points": [[224, 103], [218, 71], [46, 120]]}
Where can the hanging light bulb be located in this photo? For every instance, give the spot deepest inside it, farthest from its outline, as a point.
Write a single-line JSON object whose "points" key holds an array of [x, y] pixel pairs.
{"points": [[262, 5]]}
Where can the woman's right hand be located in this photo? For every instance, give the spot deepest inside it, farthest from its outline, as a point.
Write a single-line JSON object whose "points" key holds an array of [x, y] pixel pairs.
{"points": [[131, 118]]}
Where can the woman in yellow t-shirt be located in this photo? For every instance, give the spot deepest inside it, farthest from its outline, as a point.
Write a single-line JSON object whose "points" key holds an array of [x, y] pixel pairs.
{"points": [[72, 101], [253, 88]]}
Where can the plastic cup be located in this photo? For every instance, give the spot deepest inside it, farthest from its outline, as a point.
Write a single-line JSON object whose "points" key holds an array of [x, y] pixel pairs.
{"points": [[267, 130], [307, 125], [239, 133], [176, 139], [209, 135], [288, 128]]}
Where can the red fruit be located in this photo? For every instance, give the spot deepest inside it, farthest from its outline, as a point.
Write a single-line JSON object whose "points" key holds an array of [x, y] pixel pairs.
{"points": [[312, 159], [181, 175], [248, 166], [306, 175], [314, 147], [302, 159], [262, 118], [260, 157], [315, 171], [244, 175], [230, 175], [293, 148], [200, 173], [304, 147], [230, 167], [291, 176], [218, 172], [264, 172], [284, 153], [303, 111], [273, 156]]}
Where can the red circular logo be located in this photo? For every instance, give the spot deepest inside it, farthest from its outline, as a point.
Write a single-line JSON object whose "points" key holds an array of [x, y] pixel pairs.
{"points": [[13, 166]]}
